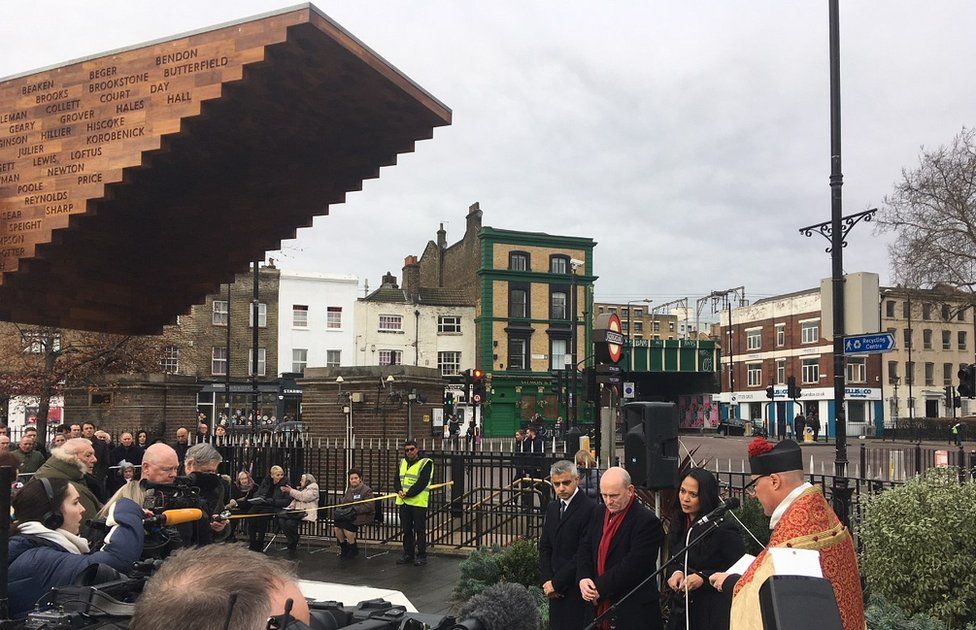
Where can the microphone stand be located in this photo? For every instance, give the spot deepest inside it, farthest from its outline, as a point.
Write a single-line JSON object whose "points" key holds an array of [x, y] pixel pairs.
{"points": [[711, 526]]}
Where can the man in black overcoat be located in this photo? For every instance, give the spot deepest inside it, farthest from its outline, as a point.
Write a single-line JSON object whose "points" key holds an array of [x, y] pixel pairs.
{"points": [[629, 538], [566, 522]]}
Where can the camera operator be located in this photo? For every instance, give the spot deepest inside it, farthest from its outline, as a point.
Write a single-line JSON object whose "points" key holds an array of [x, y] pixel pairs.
{"points": [[159, 466], [45, 548], [201, 465], [270, 497], [194, 587]]}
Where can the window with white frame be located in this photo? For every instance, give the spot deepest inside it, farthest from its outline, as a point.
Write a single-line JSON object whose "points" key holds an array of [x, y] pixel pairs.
{"points": [[656, 326], [947, 374], [780, 335], [449, 323], [638, 311], [170, 361], [855, 370], [391, 323], [670, 327], [962, 339], [754, 339], [926, 339], [262, 315], [333, 358], [218, 361], [449, 363], [947, 340], [299, 359], [333, 317], [219, 316], [810, 332], [754, 373], [557, 305], [517, 359], [391, 357], [810, 370], [557, 353], [299, 315], [780, 370], [930, 373], [262, 361]]}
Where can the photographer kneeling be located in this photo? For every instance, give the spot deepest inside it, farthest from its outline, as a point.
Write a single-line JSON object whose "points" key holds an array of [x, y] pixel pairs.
{"points": [[45, 547]]}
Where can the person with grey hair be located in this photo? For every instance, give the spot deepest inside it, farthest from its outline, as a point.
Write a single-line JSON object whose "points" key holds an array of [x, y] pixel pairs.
{"points": [[201, 463], [303, 507], [195, 586], [566, 521]]}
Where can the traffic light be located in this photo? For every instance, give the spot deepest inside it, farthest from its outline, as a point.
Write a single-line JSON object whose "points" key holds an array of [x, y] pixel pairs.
{"points": [[592, 389], [769, 392], [478, 386], [967, 380], [448, 404], [792, 390]]}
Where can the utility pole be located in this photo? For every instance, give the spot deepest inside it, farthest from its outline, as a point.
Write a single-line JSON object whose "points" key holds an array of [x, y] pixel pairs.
{"points": [[722, 300]]}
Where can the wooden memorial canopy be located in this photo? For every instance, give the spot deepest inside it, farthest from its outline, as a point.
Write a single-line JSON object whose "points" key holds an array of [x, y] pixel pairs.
{"points": [[133, 183]]}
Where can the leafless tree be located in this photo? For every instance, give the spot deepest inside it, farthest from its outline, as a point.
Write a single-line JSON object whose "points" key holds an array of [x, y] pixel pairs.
{"points": [[932, 212]]}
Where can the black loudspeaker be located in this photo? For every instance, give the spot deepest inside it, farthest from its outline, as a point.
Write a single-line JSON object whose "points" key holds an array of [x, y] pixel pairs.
{"points": [[651, 444], [795, 602]]}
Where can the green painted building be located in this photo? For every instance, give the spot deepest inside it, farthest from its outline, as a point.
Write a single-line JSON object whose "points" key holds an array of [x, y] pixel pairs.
{"points": [[525, 321], [522, 285]]}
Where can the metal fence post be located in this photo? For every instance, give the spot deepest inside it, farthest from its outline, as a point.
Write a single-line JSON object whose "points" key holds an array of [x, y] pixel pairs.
{"points": [[864, 460], [918, 458]]}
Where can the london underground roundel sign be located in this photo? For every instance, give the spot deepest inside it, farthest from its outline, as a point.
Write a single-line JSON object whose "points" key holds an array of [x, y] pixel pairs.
{"points": [[614, 338], [608, 338]]}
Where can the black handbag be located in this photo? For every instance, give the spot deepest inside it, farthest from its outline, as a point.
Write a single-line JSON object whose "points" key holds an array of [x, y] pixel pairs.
{"points": [[345, 514]]}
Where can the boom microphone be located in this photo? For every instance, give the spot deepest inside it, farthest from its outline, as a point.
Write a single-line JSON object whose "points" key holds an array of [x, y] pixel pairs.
{"points": [[504, 606], [169, 518], [729, 504]]}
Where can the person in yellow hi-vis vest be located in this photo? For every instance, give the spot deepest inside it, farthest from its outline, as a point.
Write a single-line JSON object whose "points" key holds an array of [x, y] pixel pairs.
{"points": [[412, 483]]}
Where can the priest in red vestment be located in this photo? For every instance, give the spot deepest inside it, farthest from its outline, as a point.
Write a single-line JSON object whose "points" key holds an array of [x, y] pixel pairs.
{"points": [[801, 519]]}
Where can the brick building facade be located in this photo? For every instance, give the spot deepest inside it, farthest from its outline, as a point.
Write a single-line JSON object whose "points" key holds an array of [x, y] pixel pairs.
{"points": [[783, 336]]}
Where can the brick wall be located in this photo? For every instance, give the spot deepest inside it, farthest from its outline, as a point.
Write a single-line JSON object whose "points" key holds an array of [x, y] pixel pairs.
{"points": [[378, 415], [158, 403], [198, 327]]}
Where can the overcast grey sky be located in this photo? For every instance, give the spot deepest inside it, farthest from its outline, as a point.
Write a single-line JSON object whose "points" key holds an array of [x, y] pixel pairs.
{"points": [[690, 139]]}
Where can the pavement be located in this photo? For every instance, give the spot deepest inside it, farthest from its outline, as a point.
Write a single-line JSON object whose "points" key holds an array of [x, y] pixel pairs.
{"points": [[428, 588]]}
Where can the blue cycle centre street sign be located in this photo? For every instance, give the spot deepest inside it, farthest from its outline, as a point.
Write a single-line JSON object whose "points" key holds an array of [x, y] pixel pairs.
{"points": [[869, 344]]}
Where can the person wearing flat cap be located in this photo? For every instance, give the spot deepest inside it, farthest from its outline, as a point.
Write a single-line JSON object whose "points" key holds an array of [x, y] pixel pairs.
{"points": [[800, 518]]}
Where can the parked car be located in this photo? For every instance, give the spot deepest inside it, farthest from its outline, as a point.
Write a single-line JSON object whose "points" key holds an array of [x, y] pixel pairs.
{"points": [[737, 426]]}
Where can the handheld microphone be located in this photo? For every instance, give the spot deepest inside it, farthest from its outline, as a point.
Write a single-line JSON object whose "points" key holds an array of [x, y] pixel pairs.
{"points": [[169, 518], [729, 504]]}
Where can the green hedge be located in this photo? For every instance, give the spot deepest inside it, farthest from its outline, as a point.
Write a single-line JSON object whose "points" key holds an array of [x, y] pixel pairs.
{"points": [[919, 547]]}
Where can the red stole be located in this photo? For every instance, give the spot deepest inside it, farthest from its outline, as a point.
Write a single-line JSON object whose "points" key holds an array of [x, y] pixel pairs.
{"points": [[610, 528]]}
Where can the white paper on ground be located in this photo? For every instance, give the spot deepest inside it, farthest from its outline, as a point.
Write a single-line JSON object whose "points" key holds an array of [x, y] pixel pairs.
{"points": [[741, 564], [796, 562], [351, 595]]}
